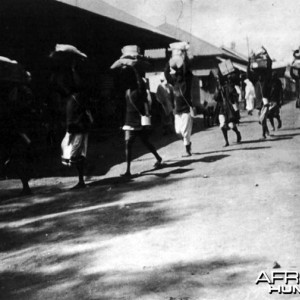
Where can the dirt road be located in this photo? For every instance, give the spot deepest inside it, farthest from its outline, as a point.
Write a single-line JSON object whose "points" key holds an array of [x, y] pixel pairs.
{"points": [[202, 227]]}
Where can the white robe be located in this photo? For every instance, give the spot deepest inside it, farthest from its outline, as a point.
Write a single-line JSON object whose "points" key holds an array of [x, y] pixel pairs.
{"points": [[249, 95]]}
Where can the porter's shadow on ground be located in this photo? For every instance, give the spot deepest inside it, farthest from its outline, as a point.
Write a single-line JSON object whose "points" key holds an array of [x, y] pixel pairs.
{"points": [[231, 149], [289, 128], [271, 138], [247, 122], [180, 164]]}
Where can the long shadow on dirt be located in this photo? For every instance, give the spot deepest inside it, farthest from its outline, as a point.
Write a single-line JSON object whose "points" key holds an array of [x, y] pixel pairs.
{"points": [[273, 138], [290, 128], [232, 149], [248, 122], [289, 135]]}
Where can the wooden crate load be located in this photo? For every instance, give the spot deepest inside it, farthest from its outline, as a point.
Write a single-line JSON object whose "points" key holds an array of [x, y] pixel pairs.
{"points": [[226, 67]]}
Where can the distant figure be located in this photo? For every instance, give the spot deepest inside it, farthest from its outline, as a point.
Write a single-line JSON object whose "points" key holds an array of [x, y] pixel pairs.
{"points": [[208, 108], [249, 96], [276, 98], [130, 69], [295, 74], [165, 95], [228, 117], [260, 66], [179, 75]]}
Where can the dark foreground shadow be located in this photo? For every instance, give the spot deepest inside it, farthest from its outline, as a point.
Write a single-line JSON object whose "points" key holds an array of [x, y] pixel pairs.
{"points": [[75, 223], [188, 281]]}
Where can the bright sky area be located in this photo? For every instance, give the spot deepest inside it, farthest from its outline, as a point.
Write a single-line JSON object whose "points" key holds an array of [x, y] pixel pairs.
{"points": [[274, 24]]}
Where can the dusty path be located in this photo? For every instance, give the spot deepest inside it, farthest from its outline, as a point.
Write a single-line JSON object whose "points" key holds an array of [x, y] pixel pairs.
{"points": [[200, 228]]}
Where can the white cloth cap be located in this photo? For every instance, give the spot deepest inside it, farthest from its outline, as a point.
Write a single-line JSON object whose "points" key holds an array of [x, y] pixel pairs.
{"points": [[183, 46], [69, 48], [130, 50]]}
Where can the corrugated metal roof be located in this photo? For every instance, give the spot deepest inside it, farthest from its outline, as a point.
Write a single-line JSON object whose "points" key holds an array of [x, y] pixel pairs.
{"points": [[235, 54], [101, 8], [198, 47]]}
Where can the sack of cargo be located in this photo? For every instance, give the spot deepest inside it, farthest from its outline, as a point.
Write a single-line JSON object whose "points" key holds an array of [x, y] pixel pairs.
{"points": [[260, 62]]}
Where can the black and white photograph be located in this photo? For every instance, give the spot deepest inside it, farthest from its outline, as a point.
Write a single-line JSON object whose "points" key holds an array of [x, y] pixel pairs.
{"points": [[149, 149]]}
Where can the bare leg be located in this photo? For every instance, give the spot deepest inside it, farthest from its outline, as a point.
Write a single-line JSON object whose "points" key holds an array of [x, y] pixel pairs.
{"points": [[272, 122], [188, 149], [22, 174], [238, 134], [151, 148], [225, 134], [279, 121], [265, 130], [80, 170], [128, 154]]}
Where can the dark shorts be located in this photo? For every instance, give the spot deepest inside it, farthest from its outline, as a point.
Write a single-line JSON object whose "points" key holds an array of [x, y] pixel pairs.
{"points": [[130, 135], [274, 110]]}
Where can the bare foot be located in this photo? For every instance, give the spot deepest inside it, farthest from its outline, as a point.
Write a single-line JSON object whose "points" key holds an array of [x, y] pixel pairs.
{"points": [[26, 192], [126, 175], [78, 186], [158, 164]]}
